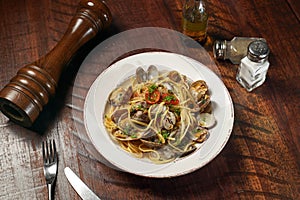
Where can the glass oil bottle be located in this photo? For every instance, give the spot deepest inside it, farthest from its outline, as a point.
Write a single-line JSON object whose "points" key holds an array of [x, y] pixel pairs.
{"points": [[195, 20]]}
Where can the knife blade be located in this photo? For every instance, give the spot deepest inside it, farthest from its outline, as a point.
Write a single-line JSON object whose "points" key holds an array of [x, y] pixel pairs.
{"points": [[80, 187]]}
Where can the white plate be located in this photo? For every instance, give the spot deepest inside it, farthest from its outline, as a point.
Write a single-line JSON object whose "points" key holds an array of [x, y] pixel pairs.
{"points": [[114, 75]]}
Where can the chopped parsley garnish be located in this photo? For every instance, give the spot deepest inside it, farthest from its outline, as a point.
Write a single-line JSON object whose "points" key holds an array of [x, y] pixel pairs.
{"points": [[177, 111], [165, 134], [169, 98], [152, 88]]}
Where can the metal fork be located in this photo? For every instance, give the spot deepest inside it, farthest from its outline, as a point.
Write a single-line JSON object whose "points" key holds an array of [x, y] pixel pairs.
{"points": [[50, 165]]}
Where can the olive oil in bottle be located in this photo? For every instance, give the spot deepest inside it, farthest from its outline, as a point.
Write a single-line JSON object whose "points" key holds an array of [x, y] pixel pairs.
{"points": [[194, 20]]}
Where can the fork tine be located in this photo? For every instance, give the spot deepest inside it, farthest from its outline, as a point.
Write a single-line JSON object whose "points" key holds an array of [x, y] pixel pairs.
{"points": [[48, 153], [44, 152], [54, 152]]}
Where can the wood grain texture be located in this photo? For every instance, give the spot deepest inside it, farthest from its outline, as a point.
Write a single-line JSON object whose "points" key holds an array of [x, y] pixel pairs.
{"points": [[261, 159]]}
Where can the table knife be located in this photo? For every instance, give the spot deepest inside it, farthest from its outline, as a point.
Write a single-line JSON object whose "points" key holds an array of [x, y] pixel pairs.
{"points": [[80, 187]]}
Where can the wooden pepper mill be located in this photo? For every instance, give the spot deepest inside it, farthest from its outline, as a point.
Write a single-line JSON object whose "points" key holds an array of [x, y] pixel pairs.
{"points": [[24, 97]]}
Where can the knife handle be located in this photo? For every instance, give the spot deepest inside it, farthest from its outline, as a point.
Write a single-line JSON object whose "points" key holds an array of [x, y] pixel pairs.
{"points": [[24, 97]]}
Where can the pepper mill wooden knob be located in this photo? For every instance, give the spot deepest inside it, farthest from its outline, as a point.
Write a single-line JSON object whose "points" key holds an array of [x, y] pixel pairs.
{"points": [[24, 97]]}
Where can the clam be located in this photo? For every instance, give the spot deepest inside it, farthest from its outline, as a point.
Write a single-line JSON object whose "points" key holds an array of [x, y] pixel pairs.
{"points": [[141, 116], [152, 142], [120, 96], [206, 120], [152, 72], [198, 88], [169, 120], [132, 130], [168, 86], [204, 102], [200, 135], [176, 77], [163, 118], [200, 93], [149, 133], [118, 114], [191, 102], [141, 75], [129, 130], [156, 110]]}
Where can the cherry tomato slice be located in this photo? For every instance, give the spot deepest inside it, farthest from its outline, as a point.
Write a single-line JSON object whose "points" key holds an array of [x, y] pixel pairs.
{"points": [[152, 97], [169, 99]]}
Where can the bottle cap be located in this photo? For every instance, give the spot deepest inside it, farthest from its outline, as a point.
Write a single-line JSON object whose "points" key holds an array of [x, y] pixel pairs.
{"points": [[219, 49], [258, 51]]}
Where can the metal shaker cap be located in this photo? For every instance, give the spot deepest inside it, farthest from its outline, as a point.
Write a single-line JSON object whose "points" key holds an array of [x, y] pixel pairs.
{"points": [[219, 49], [258, 51]]}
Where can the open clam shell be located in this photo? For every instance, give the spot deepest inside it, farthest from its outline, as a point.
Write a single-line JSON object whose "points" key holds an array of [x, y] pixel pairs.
{"points": [[206, 120]]}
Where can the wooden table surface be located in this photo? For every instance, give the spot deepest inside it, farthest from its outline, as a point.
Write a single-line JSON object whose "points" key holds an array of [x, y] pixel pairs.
{"points": [[261, 159]]}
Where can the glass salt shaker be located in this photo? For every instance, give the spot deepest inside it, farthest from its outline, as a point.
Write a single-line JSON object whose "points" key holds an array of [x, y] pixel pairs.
{"points": [[233, 50], [253, 67], [195, 19]]}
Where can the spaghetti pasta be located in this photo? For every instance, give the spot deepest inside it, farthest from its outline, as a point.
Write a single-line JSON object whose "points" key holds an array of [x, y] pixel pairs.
{"points": [[158, 117]]}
